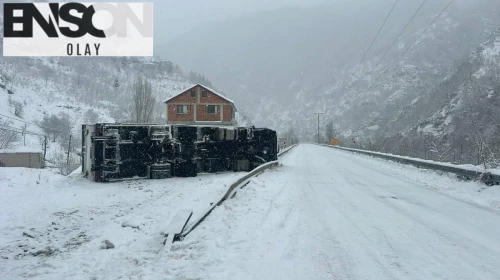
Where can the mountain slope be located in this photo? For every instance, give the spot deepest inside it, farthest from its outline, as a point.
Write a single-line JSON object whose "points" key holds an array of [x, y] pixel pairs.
{"points": [[463, 109], [283, 65], [455, 121]]}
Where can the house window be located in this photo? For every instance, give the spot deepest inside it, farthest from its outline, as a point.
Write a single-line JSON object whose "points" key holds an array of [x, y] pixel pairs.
{"points": [[193, 93], [212, 109], [182, 109], [204, 93]]}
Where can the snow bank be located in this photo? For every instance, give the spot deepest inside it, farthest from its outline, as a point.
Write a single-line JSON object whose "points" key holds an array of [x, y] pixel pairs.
{"points": [[477, 168], [53, 226], [443, 182]]}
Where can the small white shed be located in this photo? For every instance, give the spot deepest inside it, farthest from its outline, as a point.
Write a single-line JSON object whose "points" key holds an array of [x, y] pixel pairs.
{"points": [[21, 157]]}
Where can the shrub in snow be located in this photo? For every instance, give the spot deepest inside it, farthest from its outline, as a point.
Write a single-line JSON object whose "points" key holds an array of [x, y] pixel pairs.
{"points": [[106, 244], [130, 224], [18, 108], [47, 252], [91, 116]]}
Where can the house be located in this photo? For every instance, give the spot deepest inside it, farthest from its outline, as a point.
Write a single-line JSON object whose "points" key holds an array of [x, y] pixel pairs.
{"points": [[200, 105]]}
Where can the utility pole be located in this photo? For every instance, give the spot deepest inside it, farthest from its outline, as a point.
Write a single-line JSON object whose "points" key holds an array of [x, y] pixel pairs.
{"points": [[69, 148], [44, 150], [24, 133], [318, 123]]}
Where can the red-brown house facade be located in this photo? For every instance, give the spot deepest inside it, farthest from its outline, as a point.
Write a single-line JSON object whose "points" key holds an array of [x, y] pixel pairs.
{"points": [[199, 105]]}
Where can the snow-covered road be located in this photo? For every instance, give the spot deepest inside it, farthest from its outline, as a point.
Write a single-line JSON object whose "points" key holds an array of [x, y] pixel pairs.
{"points": [[330, 214], [322, 214]]}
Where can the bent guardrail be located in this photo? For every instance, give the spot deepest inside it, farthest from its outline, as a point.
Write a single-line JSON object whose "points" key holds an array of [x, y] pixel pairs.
{"points": [[485, 176], [230, 191]]}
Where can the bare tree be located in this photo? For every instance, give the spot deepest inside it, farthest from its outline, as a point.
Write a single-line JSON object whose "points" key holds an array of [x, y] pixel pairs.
{"points": [[78, 78], [57, 125], [370, 145], [7, 135], [440, 153], [490, 158], [47, 72], [482, 149], [292, 137], [329, 131], [144, 101]]}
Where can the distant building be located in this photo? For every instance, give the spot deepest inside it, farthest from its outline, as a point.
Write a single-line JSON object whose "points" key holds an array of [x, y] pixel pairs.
{"points": [[199, 105], [24, 157]]}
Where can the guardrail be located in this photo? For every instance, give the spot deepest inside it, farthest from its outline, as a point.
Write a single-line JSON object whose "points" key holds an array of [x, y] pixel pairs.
{"points": [[485, 176], [230, 191], [286, 150]]}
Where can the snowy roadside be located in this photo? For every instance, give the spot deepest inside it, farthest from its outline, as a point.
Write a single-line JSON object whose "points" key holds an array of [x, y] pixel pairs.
{"points": [[334, 217], [52, 226], [477, 168], [443, 182]]}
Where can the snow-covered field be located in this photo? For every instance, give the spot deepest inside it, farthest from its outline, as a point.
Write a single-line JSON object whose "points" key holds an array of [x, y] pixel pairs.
{"points": [[51, 226], [322, 214]]}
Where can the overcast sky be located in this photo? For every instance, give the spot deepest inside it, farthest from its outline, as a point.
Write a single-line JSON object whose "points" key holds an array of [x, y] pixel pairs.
{"points": [[174, 17]]}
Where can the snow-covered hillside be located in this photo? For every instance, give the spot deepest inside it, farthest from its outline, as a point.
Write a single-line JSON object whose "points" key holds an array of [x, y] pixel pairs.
{"points": [[457, 117], [79, 90]]}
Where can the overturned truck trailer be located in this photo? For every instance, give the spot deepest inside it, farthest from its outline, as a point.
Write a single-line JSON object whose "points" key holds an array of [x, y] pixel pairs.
{"points": [[113, 152]]}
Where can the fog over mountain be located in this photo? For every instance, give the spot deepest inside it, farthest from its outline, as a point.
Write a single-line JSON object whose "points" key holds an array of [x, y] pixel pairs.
{"points": [[283, 65], [175, 17]]}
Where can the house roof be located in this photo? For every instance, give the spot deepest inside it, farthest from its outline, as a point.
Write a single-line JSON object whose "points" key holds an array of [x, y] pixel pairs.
{"points": [[207, 88]]}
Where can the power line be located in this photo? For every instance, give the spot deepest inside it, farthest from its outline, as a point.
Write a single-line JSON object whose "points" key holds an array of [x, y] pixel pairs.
{"points": [[48, 128], [20, 130], [400, 58], [425, 30], [374, 39], [401, 33], [26, 132]]}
